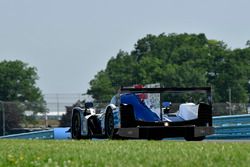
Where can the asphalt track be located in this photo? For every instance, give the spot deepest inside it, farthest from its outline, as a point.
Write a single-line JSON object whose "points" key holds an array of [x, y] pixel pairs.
{"points": [[210, 140], [181, 140], [217, 141]]}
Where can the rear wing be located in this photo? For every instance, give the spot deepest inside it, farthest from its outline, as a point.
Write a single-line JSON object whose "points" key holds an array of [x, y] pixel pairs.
{"points": [[206, 90]]}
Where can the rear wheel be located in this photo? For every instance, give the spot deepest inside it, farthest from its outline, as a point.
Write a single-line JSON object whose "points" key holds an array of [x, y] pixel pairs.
{"points": [[191, 138]]}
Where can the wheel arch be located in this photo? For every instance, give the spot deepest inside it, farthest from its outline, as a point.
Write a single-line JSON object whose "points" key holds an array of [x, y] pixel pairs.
{"points": [[111, 107], [74, 110]]}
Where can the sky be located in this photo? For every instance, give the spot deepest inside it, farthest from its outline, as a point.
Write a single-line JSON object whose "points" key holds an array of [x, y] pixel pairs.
{"points": [[70, 41]]}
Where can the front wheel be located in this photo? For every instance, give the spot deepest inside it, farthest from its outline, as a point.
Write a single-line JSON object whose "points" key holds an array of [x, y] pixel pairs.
{"points": [[109, 124], [76, 126]]}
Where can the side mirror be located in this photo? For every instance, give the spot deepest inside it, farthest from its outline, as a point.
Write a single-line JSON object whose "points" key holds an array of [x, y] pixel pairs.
{"points": [[89, 105]]}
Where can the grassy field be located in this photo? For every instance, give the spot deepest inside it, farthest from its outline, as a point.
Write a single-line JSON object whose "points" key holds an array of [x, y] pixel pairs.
{"points": [[123, 153]]}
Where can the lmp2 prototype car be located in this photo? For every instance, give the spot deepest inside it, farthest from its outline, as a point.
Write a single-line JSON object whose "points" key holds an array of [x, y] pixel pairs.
{"points": [[141, 113]]}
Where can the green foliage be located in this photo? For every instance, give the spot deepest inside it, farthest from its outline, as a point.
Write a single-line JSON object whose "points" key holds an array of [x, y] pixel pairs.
{"points": [[178, 60], [18, 86], [128, 153], [102, 88], [17, 82]]}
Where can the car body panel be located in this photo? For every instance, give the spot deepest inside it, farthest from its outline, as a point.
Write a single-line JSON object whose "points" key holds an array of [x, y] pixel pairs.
{"points": [[141, 111]]}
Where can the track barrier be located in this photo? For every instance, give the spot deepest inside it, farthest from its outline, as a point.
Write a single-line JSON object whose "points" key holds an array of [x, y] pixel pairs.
{"points": [[231, 127], [226, 127]]}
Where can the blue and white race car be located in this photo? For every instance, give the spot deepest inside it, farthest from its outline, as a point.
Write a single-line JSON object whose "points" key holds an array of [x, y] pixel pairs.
{"points": [[133, 114]]}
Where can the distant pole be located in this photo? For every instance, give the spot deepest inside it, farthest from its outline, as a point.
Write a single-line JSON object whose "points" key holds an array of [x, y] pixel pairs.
{"points": [[3, 116], [46, 119], [230, 100], [57, 105]]}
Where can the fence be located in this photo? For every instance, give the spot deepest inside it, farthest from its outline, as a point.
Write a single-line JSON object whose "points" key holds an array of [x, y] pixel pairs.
{"points": [[16, 117]]}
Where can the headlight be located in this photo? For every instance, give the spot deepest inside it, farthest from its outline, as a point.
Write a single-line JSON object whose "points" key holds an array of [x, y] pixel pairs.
{"points": [[166, 124]]}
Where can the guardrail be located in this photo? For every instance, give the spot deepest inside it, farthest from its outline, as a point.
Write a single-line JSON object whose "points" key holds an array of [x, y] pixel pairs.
{"points": [[56, 133], [226, 127], [231, 127], [44, 134], [231, 119]]}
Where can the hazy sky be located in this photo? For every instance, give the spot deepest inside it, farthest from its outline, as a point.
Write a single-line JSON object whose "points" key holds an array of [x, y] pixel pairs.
{"points": [[69, 41]]}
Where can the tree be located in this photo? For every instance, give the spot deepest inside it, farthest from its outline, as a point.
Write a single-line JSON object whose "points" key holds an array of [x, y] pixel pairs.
{"points": [[102, 88], [19, 91], [178, 60], [248, 43]]}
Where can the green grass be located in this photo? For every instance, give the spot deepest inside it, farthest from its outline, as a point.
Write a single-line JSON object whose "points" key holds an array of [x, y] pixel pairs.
{"points": [[123, 153]]}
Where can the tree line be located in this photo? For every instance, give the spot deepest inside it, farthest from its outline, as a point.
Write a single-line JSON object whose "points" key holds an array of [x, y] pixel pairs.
{"points": [[178, 60]]}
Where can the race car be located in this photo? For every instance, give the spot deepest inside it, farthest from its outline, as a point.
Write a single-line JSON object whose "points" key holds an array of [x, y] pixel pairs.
{"points": [[144, 113]]}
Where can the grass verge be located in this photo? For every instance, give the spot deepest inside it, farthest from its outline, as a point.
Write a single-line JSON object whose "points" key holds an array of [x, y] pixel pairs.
{"points": [[122, 153]]}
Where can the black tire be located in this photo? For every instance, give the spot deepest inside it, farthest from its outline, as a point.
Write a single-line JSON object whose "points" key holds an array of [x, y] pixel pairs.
{"points": [[109, 124], [76, 126], [154, 138], [191, 138]]}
